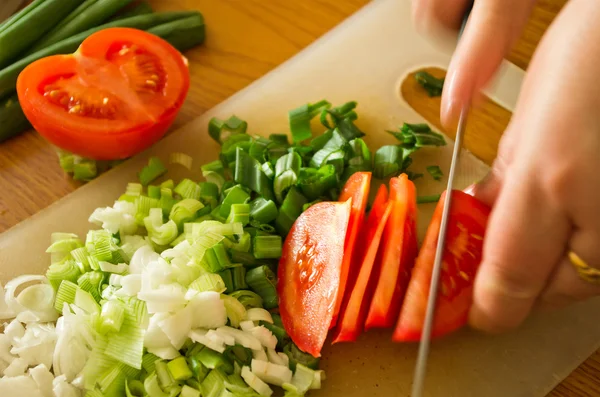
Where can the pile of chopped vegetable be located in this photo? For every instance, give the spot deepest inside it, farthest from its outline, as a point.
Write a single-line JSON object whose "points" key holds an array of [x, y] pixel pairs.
{"points": [[176, 294]]}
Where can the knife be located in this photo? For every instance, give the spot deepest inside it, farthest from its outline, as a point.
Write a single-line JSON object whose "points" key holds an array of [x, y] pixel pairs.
{"points": [[8, 8], [423, 354]]}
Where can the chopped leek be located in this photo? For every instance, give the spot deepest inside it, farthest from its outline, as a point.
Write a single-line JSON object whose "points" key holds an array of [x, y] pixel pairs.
{"points": [[430, 83], [297, 356], [267, 247], [179, 369]]}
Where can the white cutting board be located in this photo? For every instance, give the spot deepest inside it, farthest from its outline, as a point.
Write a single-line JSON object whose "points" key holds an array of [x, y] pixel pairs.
{"points": [[364, 59]]}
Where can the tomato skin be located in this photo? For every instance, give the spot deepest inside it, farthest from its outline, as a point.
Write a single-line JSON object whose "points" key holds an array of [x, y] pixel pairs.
{"points": [[309, 273], [358, 295], [143, 117], [357, 188], [399, 250], [462, 257]]}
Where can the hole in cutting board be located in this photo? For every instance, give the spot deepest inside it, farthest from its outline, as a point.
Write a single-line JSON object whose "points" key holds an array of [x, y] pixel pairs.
{"points": [[487, 120]]}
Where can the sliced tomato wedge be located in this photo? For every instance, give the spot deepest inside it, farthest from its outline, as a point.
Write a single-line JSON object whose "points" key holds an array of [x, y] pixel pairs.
{"points": [[399, 250], [358, 296], [356, 188], [309, 273], [462, 256], [114, 97]]}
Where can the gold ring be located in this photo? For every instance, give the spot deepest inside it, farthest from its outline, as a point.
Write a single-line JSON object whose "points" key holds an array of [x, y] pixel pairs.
{"points": [[586, 272]]}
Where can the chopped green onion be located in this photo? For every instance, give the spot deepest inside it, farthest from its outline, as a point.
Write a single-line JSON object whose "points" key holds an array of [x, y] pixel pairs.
{"points": [[262, 210], [209, 194], [268, 169], [248, 298], [258, 148], [179, 369], [185, 211], [188, 189], [360, 158], [219, 130], [239, 278], [215, 166], [428, 199], [342, 118], [431, 84], [153, 170], [84, 169], [435, 172], [248, 172], [415, 136], [213, 360], [243, 244], [267, 247], [209, 282], [314, 183], [181, 159], [159, 232], [239, 213], [333, 151], [198, 370], [290, 210], [388, 160], [319, 142], [235, 195], [297, 356], [168, 184], [286, 173], [262, 280], [301, 117], [166, 200], [231, 144], [66, 161], [216, 259], [227, 278], [65, 294]]}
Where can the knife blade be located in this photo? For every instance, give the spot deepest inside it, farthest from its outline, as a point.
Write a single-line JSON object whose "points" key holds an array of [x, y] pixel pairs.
{"points": [[8, 8], [424, 346]]}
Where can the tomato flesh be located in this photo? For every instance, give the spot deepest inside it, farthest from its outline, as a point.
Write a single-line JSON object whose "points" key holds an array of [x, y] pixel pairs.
{"points": [[356, 188], [309, 273], [116, 96], [462, 256], [399, 250], [358, 296]]}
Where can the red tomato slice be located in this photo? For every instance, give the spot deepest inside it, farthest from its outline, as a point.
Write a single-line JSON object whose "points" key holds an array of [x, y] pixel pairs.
{"points": [[462, 256], [358, 296], [114, 97], [309, 273], [399, 251], [357, 188]]}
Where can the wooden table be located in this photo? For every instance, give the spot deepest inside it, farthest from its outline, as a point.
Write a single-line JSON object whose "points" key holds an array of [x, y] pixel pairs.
{"points": [[246, 39]]}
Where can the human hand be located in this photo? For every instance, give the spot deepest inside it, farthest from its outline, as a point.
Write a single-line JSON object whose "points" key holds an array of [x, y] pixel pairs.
{"points": [[544, 186]]}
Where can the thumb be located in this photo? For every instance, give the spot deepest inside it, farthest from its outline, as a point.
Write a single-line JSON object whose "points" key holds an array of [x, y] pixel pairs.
{"points": [[492, 29]]}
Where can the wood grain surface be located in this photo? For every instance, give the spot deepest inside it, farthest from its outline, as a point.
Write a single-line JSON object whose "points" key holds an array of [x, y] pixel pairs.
{"points": [[245, 40]]}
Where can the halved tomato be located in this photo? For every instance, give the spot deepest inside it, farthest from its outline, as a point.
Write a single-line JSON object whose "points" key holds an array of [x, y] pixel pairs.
{"points": [[399, 250], [357, 188], [309, 273], [358, 296], [462, 256], [114, 97]]}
